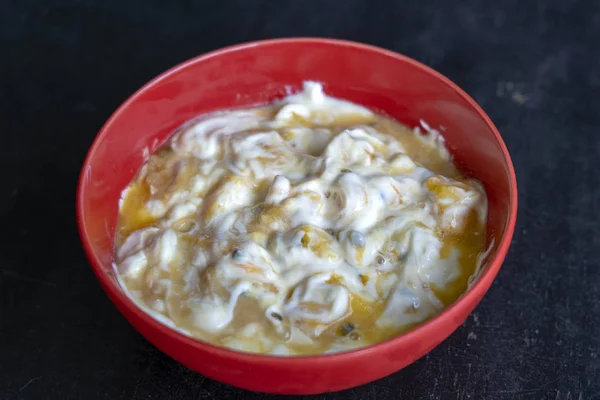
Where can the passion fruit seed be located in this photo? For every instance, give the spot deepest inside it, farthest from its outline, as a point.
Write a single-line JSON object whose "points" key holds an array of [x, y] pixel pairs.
{"points": [[277, 316], [238, 254], [346, 328], [403, 255], [305, 240], [357, 239]]}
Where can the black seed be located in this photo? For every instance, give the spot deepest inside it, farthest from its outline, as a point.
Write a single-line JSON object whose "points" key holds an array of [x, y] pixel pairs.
{"points": [[238, 254], [277, 316], [346, 328], [403, 255], [346, 170]]}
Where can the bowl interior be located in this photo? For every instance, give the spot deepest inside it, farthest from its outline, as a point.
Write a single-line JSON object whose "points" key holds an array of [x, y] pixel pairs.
{"points": [[258, 73]]}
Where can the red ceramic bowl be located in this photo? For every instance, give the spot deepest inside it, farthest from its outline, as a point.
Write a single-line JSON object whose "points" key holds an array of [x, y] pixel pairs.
{"points": [[257, 73]]}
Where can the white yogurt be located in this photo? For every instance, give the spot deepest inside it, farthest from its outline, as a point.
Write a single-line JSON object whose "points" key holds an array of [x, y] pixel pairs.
{"points": [[332, 209]]}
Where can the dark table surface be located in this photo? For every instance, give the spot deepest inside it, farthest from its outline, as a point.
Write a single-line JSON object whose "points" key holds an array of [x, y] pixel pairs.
{"points": [[534, 66]]}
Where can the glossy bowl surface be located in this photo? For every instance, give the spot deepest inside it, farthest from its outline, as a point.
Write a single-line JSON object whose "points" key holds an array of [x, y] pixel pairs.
{"points": [[257, 73]]}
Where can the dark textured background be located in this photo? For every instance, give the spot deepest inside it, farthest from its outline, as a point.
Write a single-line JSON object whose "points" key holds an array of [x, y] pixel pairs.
{"points": [[534, 66]]}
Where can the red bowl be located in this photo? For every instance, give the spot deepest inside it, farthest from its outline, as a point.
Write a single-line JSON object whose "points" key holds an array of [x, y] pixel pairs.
{"points": [[256, 73]]}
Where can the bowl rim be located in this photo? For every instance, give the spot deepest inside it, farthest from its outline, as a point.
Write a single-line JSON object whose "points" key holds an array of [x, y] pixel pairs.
{"points": [[424, 329]]}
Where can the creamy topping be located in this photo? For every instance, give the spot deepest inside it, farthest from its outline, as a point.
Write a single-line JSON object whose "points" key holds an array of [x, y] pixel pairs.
{"points": [[308, 226]]}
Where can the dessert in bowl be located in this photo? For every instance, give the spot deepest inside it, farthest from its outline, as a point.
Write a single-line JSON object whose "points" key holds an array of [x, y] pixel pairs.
{"points": [[336, 206], [307, 226]]}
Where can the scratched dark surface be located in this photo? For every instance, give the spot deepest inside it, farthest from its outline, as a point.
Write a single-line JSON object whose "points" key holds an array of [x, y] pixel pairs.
{"points": [[533, 65]]}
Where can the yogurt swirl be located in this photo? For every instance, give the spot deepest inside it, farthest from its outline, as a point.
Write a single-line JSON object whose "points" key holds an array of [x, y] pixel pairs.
{"points": [[301, 227]]}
